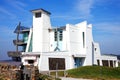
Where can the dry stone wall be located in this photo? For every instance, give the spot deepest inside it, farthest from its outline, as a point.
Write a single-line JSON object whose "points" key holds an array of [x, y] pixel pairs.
{"points": [[10, 72]]}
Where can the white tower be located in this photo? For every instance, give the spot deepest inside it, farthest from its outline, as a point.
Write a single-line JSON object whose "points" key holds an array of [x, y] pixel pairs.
{"points": [[41, 24]]}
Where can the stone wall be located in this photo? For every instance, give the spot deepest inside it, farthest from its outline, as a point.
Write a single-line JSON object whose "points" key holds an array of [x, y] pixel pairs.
{"points": [[10, 72]]}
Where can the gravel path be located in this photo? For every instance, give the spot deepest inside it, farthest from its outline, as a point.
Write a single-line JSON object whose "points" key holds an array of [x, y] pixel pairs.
{"points": [[64, 78]]}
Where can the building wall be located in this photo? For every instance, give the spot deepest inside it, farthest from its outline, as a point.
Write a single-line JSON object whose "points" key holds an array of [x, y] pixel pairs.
{"points": [[46, 36], [89, 47], [41, 39], [74, 39], [44, 60], [77, 45]]}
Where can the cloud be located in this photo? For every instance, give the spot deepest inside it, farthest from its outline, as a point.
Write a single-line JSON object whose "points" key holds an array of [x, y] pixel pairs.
{"points": [[11, 8], [82, 10], [5, 11], [108, 27], [84, 7], [67, 17], [17, 5]]}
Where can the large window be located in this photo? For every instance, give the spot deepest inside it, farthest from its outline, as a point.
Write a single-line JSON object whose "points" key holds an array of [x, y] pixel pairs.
{"points": [[58, 35], [105, 62], [56, 63]]}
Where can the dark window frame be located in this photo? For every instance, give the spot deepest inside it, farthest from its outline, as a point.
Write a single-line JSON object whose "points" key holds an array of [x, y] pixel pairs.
{"points": [[38, 14], [30, 61]]}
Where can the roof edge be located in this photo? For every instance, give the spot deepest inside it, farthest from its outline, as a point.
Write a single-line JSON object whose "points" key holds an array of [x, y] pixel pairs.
{"points": [[40, 9]]}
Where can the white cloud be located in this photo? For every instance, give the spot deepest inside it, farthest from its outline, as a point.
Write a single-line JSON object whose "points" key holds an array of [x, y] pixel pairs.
{"points": [[5, 11], [17, 5], [84, 7], [67, 17], [81, 10], [108, 27]]}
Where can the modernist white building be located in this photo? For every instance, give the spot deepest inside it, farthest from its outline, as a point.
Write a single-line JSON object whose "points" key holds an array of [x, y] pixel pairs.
{"points": [[64, 47]]}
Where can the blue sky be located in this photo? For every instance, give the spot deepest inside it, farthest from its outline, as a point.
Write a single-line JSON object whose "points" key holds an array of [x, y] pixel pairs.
{"points": [[103, 14]]}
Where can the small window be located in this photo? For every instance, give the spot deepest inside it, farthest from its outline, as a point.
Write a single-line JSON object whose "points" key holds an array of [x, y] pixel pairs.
{"points": [[95, 49], [30, 61], [98, 62], [83, 34], [37, 15]]}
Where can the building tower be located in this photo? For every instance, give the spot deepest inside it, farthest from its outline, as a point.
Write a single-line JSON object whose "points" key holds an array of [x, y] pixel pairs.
{"points": [[41, 26]]}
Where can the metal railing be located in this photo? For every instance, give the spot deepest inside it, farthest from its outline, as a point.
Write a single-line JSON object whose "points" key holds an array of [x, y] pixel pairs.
{"points": [[14, 54], [18, 42]]}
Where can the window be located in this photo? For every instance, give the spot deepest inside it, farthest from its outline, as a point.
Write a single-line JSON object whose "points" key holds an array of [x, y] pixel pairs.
{"points": [[37, 15], [98, 62], [55, 35], [58, 35], [30, 61], [95, 49], [56, 63], [105, 62], [83, 34], [111, 63]]}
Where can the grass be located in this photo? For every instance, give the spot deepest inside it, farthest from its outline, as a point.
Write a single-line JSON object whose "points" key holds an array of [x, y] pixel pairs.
{"points": [[95, 72]]}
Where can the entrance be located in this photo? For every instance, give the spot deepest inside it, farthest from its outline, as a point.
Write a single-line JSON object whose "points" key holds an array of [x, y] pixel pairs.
{"points": [[78, 61]]}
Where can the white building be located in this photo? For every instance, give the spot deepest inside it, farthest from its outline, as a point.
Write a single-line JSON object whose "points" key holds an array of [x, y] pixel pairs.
{"points": [[66, 47]]}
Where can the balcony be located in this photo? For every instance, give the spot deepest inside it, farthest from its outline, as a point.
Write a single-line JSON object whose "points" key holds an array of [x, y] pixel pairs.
{"points": [[19, 42], [14, 54]]}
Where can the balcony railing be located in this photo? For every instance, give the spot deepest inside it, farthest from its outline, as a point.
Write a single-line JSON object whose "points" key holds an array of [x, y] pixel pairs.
{"points": [[19, 42], [14, 54]]}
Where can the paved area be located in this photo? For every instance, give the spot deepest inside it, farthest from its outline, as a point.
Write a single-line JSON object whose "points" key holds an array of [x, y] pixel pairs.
{"points": [[64, 78]]}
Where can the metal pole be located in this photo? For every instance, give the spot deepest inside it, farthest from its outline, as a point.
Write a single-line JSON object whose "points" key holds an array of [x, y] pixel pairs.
{"points": [[18, 35], [56, 70]]}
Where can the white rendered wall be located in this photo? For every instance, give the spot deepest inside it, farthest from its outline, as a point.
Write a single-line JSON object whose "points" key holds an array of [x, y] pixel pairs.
{"points": [[52, 47], [89, 48], [64, 42], [41, 33], [74, 39], [37, 33], [29, 57], [46, 34], [96, 53], [82, 28]]}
